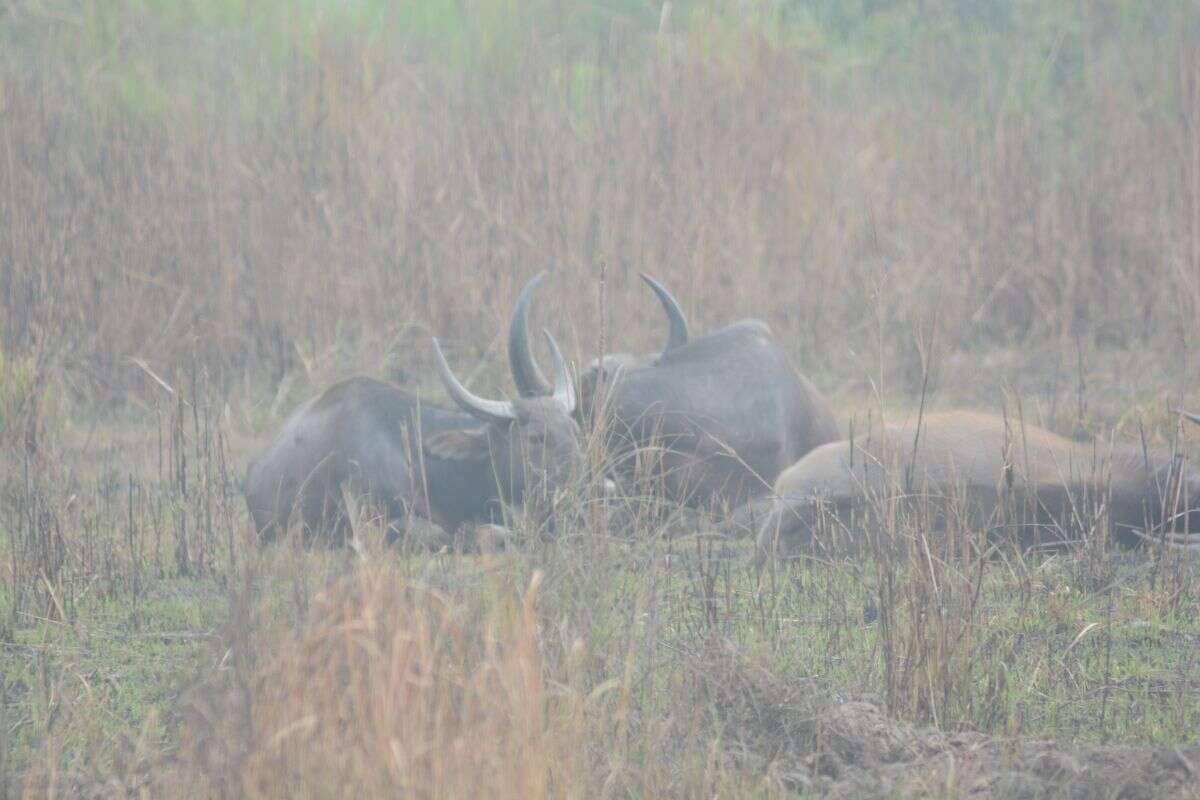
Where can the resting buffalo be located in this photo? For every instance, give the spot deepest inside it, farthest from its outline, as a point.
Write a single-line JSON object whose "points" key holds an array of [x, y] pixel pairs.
{"points": [[428, 467], [1033, 483], [725, 412]]}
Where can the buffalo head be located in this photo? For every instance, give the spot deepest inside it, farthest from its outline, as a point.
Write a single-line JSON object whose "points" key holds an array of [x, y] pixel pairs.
{"points": [[533, 443], [528, 377]]}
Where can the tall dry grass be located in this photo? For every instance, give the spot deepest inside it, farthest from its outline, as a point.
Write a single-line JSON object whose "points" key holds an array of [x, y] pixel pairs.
{"points": [[372, 199], [390, 686]]}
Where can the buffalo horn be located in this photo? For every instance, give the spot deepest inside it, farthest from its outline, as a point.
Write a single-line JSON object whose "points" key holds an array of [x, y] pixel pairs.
{"points": [[529, 379], [499, 411], [678, 334]]}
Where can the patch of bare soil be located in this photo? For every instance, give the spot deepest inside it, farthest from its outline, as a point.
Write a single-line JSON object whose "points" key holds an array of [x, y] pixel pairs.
{"points": [[861, 753], [798, 739]]}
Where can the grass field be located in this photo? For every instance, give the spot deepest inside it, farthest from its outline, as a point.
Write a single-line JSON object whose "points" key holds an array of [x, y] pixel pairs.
{"points": [[209, 210]]}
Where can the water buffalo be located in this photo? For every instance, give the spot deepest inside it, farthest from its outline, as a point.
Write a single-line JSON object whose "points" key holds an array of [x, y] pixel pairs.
{"points": [[428, 467], [1026, 480], [726, 412]]}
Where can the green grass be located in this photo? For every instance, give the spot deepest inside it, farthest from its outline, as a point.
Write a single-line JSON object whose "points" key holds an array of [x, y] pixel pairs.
{"points": [[821, 625], [116, 669]]}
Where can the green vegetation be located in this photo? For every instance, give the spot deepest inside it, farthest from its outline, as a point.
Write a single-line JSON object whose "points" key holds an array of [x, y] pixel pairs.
{"points": [[111, 671], [153, 58]]}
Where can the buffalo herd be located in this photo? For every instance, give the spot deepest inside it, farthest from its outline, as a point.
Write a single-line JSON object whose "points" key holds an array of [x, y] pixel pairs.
{"points": [[722, 423]]}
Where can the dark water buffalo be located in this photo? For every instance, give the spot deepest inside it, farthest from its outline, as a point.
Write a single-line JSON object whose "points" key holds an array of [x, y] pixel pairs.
{"points": [[722, 413], [1036, 485], [430, 468]]}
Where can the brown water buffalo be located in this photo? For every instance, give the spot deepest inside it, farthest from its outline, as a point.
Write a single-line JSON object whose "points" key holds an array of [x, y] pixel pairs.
{"points": [[1035, 484], [723, 413], [427, 466]]}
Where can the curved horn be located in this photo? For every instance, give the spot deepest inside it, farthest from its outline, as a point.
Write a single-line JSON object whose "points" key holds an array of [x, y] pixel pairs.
{"points": [[678, 335], [498, 411], [1189, 416], [529, 379], [564, 389]]}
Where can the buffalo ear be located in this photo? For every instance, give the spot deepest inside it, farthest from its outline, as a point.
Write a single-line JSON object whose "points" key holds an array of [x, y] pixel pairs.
{"points": [[463, 444]]}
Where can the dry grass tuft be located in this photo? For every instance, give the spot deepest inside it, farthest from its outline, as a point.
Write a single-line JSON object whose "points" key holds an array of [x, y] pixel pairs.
{"points": [[390, 688]]}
